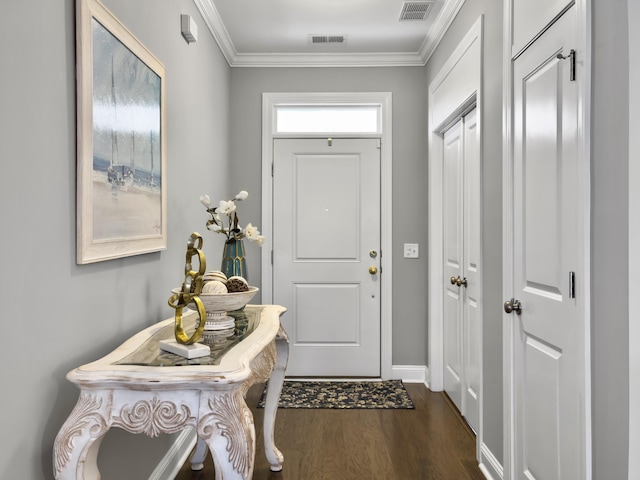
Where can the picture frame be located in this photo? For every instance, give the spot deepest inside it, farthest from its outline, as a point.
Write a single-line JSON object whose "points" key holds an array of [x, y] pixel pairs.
{"points": [[121, 142]]}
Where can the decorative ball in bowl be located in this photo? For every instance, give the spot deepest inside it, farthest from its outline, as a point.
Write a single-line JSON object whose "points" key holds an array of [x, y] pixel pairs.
{"points": [[218, 304]]}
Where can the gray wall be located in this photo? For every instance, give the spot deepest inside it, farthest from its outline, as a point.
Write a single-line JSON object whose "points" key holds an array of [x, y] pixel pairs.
{"points": [[634, 237], [491, 197], [610, 261], [59, 315], [409, 171]]}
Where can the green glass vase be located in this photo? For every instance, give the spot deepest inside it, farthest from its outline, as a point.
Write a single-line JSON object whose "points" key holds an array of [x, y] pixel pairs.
{"points": [[233, 260]]}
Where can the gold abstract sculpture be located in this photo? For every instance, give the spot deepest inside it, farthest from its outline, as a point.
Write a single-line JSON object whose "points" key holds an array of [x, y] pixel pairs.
{"points": [[190, 292]]}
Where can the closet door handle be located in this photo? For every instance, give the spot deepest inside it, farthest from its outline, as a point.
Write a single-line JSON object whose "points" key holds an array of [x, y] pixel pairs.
{"points": [[458, 281], [513, 305]]}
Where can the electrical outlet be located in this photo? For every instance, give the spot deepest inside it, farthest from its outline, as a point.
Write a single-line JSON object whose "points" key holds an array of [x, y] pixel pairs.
{"points": [[411, 250]]}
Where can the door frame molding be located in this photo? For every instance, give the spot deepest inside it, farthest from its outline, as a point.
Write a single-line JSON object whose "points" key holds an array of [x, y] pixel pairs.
{"points": [[455, 90], [584, 40], [270, 100]]}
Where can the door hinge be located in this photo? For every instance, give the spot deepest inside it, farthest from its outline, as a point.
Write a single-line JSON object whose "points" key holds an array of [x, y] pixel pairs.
{"points": [[572, 64], [379, 144], [572, 284], [272, 168], [271, 257]]}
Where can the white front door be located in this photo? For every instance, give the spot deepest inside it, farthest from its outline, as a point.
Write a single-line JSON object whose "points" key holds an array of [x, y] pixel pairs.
{"points": [[548, 341], [461, 241], [326, 254]]}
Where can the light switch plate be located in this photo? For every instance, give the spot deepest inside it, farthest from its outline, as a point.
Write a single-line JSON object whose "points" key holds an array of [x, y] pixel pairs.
{"points": [[411, 250]]}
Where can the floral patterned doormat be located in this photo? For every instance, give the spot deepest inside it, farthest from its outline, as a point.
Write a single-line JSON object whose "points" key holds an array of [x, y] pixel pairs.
{"points": [[343, 395]]}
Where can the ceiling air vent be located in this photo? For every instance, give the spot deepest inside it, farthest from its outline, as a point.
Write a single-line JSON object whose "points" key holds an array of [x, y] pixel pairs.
{"points": [[414, 10], [327, 39]]}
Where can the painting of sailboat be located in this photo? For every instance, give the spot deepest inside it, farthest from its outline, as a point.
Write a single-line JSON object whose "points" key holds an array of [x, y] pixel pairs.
{"points": [[126, 136], [123, 185]]}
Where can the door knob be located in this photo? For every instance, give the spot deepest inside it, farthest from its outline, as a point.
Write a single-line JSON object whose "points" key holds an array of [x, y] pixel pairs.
{"points": [[373, 270], [513, 305], [454, 280], [461, 282]]}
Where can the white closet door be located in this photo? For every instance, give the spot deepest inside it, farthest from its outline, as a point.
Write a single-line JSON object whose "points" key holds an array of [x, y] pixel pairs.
{"points": [[471, 296], [453, 169], [548, 348], [462, 302]]}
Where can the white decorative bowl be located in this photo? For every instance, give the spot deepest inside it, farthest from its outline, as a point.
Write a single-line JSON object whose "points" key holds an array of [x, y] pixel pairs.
{"points": [[218, 304]]}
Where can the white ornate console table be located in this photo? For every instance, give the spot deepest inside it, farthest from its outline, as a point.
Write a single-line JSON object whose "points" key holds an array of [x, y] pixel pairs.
{"points": [[142, 389]]}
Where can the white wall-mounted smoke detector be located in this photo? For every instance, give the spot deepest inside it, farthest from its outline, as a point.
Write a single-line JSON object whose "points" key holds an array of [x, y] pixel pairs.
{"points": [[189, 28]]}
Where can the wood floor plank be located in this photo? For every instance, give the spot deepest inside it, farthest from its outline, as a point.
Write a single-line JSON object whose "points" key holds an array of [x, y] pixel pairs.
{"points": [[332, 444], [430, 442]]}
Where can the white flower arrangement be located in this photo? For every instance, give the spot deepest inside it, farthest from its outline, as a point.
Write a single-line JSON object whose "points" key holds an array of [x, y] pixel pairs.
{"points": [[224, 219]]}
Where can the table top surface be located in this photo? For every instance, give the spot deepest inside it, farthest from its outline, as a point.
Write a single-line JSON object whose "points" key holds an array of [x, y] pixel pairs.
{"points": [[219, 341], [140, 358]]}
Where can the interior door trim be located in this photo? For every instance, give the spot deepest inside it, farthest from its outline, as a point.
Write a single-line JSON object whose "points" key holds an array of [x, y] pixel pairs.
{"points": [[272, 99], [454, 91]]}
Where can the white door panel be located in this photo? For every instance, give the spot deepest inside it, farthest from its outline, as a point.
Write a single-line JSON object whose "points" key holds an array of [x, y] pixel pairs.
{"points": [[326, 206], [312, 324], [548, 349], [461, 240], [453, 260], [472, 330], [326, 222]]}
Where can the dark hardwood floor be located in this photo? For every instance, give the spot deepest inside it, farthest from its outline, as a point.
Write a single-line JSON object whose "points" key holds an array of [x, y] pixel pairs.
{"points": [[431, 442]]}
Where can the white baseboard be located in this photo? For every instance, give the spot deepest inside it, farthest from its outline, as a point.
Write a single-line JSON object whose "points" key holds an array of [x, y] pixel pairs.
{"points": [[177, 455], [489, 464], [411, 373]]}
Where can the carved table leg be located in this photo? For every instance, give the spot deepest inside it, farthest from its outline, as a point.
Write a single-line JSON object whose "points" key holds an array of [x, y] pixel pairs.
{"points": [[75, 451], [226, 426], [274, 388], [199, 456]]}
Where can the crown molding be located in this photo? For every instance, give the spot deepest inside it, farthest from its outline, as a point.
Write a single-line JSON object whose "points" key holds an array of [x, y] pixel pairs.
{"points": [[214, 23], [444, 20], [327, 60]]}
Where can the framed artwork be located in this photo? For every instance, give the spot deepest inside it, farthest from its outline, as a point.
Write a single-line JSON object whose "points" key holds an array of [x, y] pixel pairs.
{"points": [[121, 171]]}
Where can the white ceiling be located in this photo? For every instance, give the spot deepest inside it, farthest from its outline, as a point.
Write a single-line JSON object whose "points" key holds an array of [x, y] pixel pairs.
{"points": [[276, 32]]}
